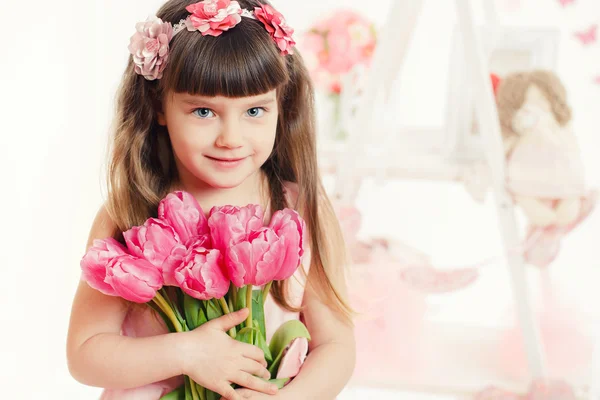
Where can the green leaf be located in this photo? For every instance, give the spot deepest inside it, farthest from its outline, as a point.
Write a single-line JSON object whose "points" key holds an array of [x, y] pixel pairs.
{"points": [[191, 306], [240, 302], [244, 334], [213, 310], [177, 394], [258, 310], [261, 343], [201, 317], [241, 298], [280, 383], [210, 395], [282, 338], [188, 389]]}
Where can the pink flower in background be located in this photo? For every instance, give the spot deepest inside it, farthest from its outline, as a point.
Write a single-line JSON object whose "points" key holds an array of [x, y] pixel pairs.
{"points": [[588, 36], [257, 260], [277, 26], [93, 264], [289, 226], [231, 224], [149, 47], [565, 3], [134, 279], [213, 17], [293, 359], [182, 211], [201, 274], [157, 242], [336, 44]]}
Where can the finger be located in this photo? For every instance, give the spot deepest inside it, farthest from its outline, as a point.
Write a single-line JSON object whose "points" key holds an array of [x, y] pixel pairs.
{"points": [[245, 393], [254, 353], [229, 393], [255, 368], [228, 321], [248, 381]]}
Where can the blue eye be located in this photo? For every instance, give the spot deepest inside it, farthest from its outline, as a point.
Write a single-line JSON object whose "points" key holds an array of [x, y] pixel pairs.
{"points": [[256, 112], [203, 112]]}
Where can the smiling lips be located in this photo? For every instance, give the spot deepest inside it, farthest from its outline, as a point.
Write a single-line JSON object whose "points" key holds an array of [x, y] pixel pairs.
{"points": [[227, 162]]}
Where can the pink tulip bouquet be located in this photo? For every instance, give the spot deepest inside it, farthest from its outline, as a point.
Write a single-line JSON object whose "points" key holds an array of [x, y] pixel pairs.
{"points": [[192, 269]]}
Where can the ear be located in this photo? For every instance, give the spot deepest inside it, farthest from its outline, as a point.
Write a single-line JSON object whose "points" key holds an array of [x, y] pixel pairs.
{"points": [[160, 117]]}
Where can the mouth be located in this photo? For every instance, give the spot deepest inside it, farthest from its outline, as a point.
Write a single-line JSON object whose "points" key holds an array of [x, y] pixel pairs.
{"points": [[225, 159]]}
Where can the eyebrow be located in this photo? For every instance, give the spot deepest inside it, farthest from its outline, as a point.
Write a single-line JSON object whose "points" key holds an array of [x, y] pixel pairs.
{"points": [[194, 101]]}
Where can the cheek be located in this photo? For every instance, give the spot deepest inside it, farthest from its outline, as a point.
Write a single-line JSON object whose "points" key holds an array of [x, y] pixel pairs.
{"points": [[186, 140], [264, 140]]}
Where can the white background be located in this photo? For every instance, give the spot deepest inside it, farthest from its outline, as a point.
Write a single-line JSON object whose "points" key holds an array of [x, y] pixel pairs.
{"points": [[60, 64]]}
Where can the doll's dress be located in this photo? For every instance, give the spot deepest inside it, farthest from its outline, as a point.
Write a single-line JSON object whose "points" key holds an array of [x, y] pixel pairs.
{"points": [[546, 164]]}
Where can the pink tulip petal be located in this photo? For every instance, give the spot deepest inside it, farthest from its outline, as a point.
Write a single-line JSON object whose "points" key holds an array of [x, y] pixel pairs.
{"points": [[201, 274], [133, 278], [182, 211], [94, 263]]}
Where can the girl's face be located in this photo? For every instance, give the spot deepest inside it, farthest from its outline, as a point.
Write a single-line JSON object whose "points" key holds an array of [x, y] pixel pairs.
{"points": [[220, 141]]}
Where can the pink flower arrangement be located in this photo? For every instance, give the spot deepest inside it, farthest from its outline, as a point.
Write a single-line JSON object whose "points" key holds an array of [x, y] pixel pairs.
{"points": [[150, 47], [335, 45], [277, 26], [214, 264], [213, 17]]}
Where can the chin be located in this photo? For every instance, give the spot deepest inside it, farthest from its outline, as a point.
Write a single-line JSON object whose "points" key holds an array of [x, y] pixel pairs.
{"points": [[225, 181]]}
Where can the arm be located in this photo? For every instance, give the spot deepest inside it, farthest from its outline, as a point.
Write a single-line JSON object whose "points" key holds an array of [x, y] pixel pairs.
{"points": [[97, 354], [331, 358]]}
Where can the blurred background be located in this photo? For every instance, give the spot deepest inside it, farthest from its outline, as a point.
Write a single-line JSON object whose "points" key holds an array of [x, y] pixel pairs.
{"points": [[416, 203]]}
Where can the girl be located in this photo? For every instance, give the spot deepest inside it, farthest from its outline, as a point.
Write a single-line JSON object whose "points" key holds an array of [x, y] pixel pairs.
{"points": [[215, 101]]}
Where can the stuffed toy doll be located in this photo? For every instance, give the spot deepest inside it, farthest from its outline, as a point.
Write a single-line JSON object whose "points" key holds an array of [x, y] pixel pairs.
{"points": [[544, 166]]}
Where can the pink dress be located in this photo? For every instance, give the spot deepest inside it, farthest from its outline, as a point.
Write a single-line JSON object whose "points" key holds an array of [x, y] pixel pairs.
{"points": [[144, 322]]}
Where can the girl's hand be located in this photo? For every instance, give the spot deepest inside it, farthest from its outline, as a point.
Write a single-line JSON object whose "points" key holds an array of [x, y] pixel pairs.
{"points": [[215, 360], [253, 395]]}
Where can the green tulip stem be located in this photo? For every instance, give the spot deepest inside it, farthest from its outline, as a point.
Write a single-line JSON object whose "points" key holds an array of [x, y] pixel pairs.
{"points": [[234, 292], [249, 305], [201, 392], [194, 390], [265, 292], [226, 310], [164, 306]]}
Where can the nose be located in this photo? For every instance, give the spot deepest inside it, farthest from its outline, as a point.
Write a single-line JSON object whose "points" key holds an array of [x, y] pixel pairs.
{"points": [[230, 135]]}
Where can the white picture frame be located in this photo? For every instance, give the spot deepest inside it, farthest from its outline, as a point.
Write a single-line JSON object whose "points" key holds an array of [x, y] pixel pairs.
{"points": [[508, 49]]}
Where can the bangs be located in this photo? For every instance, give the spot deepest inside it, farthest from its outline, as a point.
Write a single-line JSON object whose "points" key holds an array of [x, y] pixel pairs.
{"points": [[241, 62]]}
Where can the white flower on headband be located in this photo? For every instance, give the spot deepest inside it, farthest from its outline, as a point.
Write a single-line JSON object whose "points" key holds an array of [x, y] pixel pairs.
{"points": [[213, 17], [149, 47]]}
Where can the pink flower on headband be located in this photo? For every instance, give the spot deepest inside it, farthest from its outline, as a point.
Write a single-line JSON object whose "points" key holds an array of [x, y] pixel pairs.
{"points": [[212, 17], [149, 47], [276, 25]]}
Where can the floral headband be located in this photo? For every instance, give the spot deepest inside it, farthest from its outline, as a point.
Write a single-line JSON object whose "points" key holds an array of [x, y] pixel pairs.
{"points": [[150, 44]]}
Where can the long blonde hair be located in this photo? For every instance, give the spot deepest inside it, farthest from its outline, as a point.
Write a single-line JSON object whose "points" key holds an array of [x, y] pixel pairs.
{"points": [[241, 62]]}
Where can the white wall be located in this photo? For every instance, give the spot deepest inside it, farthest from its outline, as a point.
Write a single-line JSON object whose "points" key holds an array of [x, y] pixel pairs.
{"points": [[60, 64]]}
